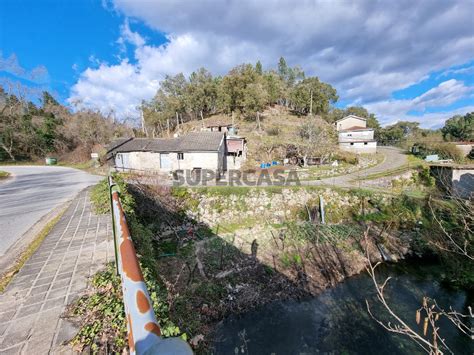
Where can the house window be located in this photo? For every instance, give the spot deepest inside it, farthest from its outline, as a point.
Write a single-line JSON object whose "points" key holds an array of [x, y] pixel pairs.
{"points": [[349, 135], [352, 143], [365, 143], [180, 156]]}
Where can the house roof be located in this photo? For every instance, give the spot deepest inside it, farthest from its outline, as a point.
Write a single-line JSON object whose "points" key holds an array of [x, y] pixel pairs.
{"points": [[352, 116], [195, 141], [356, 128], [117, 143]]}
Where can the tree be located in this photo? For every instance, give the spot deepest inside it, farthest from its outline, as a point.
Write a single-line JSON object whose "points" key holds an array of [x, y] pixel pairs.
{"points": [[317, 138], [283, 69], [234, 87], [201, 93], [459, 128], [273, 86], [312, 94], [398, 132], [258, 68]]}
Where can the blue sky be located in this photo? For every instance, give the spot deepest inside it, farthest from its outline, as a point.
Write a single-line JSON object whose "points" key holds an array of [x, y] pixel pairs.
{"points": [[402, 60]]}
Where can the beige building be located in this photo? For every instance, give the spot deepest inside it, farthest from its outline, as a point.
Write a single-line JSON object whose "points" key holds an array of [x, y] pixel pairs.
{"points": [[194, 151], [465, 147], [456, 179], [354, 136]]}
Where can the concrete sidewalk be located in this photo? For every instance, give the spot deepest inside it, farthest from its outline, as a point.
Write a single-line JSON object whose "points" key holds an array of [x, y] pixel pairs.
{"points": [[57, 273]]}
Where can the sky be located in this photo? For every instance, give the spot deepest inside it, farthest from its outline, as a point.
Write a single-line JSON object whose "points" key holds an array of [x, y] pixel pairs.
{"points": [[402, 60]]}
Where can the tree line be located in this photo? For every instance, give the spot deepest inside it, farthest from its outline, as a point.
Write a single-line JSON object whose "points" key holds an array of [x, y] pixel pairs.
{"points": [[245, 91], [29, 130]]}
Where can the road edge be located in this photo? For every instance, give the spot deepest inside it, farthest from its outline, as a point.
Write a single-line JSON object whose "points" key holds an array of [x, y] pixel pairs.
{"points": [[19, 253]]}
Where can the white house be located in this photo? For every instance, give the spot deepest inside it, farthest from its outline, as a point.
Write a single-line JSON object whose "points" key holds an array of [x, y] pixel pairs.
{"points": [[194, 151], [354, 136]]}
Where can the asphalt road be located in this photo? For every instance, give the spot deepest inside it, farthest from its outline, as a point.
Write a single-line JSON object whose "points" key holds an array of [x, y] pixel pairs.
{"points": [[394, 158], [33, 191]]}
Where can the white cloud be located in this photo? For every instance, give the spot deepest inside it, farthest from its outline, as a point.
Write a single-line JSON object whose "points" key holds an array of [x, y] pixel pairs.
{"points": [[119, 88], [11, 65], [446, 93], [367, 49], [128, 36]]}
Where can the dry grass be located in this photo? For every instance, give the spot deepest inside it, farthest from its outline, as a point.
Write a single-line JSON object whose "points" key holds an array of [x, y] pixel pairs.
{"points": [[4, 174]]}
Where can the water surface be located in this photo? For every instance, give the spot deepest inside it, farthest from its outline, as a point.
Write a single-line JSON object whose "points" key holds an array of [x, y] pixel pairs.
{"points": [[337, 322]]}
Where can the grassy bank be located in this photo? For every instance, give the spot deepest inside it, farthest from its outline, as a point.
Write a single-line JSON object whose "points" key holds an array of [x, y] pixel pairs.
{"points": [[4, 174]]}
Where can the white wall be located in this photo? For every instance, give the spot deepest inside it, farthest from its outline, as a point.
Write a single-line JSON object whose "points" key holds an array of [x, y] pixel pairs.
{"points": [[463, 182], [203, 160], [356, 135], [349, 122], [359, 147], [464, 148]]}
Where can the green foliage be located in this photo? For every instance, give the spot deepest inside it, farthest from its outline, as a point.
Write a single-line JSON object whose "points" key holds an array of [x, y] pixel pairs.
{"points": [[100, 196], [424, 177], [102, 312], [246, 90], [313, 94], [445, 150], [290, 259], [460, 128]]}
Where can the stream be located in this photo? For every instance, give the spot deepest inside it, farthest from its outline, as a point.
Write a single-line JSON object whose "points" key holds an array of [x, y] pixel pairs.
{"points": [[337, 322]]}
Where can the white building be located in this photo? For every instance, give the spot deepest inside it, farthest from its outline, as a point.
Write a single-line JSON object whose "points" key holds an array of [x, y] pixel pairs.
{"points": [[194, 151], [354, 136]]}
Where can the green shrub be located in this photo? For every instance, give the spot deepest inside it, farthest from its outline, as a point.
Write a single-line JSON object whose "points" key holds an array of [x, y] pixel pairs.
{"points": [[100, 197]]}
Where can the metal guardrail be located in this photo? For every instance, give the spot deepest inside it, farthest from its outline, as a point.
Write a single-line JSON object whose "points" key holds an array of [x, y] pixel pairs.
{"points": [[144, 334]]}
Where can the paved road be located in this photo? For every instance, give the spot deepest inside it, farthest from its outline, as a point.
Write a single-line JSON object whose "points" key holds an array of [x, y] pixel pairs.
{"points": [[57, 273], [394, 158], [31, 193]]}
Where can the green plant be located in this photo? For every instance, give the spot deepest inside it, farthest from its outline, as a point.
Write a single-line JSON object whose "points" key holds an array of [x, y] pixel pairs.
{"points": [[101, 200], [103, 316]]}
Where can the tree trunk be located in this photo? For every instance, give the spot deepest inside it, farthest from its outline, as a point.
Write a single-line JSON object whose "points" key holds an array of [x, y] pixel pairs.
{"points": [[258, 121], [202, 119], [168, 123], [144, 130], [9, 151], [177, 121], [311, 104]]}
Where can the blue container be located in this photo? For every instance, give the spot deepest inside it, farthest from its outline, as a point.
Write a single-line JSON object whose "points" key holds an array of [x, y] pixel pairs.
{"points": [[262, 165], [274, 162], [269, 165]]}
